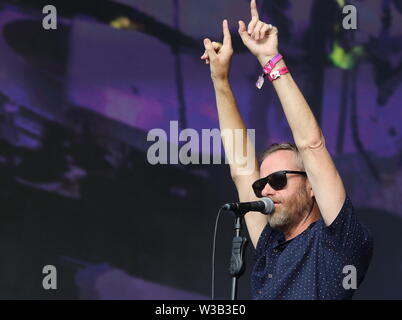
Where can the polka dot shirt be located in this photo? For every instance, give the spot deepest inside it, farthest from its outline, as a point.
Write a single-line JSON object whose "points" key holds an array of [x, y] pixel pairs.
{"points": [[313, 264]]}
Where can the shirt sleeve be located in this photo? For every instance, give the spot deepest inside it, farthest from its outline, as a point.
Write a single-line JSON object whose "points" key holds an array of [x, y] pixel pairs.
{"points": [[346, 232]]}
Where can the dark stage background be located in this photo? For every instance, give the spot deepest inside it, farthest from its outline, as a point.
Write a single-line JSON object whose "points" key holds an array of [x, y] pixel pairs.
{"points": [[76, 104]]}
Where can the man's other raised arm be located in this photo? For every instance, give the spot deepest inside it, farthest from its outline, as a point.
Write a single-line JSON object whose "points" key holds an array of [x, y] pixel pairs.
{"points": [[238, 146]]}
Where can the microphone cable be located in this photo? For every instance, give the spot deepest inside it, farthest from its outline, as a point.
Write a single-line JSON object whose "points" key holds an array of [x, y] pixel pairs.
{"points": [[213, 254]]}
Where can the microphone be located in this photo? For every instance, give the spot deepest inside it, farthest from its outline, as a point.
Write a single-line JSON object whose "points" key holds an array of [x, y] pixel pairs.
{"points": [[265, 206]]}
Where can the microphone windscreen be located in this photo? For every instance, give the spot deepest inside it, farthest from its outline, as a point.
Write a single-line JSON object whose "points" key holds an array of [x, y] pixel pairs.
{"points": [[269, 205]]}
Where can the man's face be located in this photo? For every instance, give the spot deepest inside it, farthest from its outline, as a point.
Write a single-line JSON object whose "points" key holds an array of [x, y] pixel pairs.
{"points": [[295, 199]]}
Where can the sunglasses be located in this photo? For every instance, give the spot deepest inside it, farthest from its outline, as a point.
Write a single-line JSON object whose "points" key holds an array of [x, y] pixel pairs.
{"points": [[276, 180]]}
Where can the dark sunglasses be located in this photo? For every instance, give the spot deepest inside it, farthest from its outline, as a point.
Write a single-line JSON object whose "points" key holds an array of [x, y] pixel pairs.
{"points": [[276, 180]]}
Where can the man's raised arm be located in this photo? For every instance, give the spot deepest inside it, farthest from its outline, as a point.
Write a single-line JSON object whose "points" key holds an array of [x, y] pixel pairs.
{"points": [[325, 180], [239, 148]]}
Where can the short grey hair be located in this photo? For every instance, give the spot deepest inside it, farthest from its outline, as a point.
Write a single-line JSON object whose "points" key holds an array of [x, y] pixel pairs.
{"points": [[283, 146]]}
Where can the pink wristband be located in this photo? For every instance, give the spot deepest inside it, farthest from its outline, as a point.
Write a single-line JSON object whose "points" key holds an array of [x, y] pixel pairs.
{"points": [[276, 74], [272, 63], [267, 69]]}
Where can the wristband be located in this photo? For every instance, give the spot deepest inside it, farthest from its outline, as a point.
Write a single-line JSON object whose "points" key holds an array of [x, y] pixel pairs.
{"points": [[276, 74], [269, 66]]}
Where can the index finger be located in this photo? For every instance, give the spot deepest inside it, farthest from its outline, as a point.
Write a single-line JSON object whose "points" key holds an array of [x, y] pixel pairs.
{"points": [[254, 11], [227, 38]]}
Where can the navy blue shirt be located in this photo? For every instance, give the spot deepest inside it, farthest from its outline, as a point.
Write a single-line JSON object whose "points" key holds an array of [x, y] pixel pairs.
{"points": [[311, 265]]}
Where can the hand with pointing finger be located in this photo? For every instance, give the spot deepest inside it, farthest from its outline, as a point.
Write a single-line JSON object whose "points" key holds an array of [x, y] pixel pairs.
{"points": [[219, 55], [259, 37]]}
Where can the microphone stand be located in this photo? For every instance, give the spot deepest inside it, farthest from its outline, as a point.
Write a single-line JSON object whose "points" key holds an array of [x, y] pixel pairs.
{"points": [[237, 266]]}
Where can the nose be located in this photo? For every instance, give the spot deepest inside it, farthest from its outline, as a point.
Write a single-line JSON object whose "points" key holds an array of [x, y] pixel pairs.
{"points": [[268, 191]]}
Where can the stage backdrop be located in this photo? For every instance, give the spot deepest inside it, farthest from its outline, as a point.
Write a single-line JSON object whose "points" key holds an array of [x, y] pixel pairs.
{"points": [[77, 189]]}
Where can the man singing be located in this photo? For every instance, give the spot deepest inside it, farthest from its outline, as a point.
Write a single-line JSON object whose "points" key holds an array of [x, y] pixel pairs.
{"points": [[313, 239]]}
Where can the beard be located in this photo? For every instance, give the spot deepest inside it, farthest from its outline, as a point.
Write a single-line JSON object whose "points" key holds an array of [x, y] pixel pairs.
{"points": [[292, 211]]}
